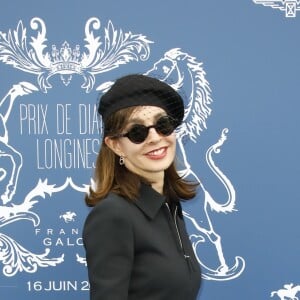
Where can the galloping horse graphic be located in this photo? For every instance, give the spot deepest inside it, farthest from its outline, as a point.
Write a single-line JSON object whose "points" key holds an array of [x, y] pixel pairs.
{"points": [[6, 150], [68, 216], [288, 293], [185, 72]]}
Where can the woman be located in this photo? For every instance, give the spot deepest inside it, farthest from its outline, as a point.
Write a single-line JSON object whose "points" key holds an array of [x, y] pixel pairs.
{"points": [[136, 244]]}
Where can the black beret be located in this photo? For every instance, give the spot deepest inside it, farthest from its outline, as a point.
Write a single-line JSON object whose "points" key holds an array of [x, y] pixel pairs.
{"points": [[141, 90]]}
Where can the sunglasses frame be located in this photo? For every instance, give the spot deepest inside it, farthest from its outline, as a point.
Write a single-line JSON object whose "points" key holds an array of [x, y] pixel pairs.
{"points": [[129, 133]]}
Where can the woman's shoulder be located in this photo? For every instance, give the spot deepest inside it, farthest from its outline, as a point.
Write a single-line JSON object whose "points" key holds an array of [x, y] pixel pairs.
{"points": [[112, 204], [113, 212], [110, 216]]}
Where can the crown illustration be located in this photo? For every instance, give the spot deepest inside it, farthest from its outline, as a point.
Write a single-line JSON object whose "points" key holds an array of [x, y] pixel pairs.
{"points": [[65, 60]]}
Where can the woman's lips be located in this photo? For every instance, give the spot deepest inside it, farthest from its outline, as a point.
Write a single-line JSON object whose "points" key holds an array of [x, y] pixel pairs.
{"points": [[157, 153]]}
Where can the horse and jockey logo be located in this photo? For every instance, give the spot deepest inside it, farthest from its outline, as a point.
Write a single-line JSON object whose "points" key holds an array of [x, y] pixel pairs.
{"points": [[288, 292], [290, 7], [68, 216], [176, 67]]}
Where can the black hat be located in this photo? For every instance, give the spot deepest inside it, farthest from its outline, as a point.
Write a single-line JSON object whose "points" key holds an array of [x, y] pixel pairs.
{"points": [[136, 90]]}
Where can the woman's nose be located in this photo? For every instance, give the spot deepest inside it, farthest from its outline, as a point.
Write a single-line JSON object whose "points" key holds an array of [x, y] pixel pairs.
{"points": [[153, 135]]}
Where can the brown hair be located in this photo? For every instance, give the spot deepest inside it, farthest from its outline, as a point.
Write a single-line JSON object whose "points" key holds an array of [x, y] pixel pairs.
{"points": [[110, 176]]}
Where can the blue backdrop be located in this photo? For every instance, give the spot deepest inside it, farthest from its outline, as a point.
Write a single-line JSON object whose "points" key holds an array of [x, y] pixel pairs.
{"points": [[238, 64]]}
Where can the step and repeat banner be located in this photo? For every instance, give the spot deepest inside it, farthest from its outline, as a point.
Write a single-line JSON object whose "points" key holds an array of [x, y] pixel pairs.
{"points": [[238, 64]]}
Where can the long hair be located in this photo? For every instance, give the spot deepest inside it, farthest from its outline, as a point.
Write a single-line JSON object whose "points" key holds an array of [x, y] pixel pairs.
{"points": [[110, 176]]}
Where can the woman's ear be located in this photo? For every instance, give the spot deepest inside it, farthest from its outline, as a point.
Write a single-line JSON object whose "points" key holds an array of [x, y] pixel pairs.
{"points": [[113, 144]]}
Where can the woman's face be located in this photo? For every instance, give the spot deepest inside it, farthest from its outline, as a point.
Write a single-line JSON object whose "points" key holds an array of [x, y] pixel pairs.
{"points": [[151, 157]]}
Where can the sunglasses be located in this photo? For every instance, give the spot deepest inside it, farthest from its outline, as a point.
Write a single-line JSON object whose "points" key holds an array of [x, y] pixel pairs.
{"points": [[138, 133]]}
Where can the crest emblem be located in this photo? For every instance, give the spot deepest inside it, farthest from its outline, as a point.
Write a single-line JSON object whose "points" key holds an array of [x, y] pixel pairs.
{"points": [[290, 7], [117, 48]]}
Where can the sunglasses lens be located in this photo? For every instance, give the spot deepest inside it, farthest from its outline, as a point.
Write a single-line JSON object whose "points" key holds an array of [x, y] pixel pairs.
{"points": [[165, 125], [138, 133]]}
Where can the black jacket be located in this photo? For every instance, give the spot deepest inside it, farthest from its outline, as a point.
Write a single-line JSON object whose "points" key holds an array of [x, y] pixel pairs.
{"points": [[139, 250]]}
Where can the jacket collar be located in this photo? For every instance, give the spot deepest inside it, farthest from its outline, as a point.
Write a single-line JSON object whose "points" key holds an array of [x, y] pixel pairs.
{"points": [[149, 201]]}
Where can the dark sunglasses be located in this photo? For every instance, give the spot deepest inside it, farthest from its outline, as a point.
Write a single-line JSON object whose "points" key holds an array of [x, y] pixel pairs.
{"points": [[138, 133]]}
